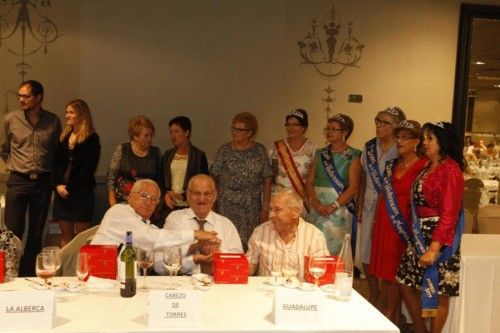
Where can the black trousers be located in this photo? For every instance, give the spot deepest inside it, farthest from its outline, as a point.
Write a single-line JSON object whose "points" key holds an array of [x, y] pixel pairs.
{"points": [[32, 196]]}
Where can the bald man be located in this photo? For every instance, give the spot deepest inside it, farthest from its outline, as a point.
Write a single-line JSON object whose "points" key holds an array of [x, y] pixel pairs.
{"points": [[201, 195]]}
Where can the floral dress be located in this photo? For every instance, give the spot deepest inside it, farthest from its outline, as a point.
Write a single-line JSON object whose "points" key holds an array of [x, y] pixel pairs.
{"points": [[239, 175], [336, 225]]}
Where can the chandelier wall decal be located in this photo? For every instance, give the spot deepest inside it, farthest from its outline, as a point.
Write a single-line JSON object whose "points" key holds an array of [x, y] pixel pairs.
{"points": [[25, 29], [330, 48]]}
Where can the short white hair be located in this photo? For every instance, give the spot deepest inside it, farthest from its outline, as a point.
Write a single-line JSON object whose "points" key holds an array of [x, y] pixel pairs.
{"points": [[293, 200], [138, 185]]}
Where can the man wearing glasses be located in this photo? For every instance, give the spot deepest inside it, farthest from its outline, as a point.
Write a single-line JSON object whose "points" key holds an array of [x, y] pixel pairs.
{"points": [[134, 216], [197, 257], [28, 149]]}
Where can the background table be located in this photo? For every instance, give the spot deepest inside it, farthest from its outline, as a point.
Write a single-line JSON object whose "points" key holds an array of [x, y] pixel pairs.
{"points": [[479, 301], [226, 308]]}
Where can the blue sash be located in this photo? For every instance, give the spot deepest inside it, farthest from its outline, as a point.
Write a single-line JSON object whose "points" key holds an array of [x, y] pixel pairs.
{"points": [[372, 164], [391, 203], [430, 281], [339, 186]]}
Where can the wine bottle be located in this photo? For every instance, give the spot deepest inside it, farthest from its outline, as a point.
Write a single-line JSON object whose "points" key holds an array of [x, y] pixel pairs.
{"points": [[128, 268], [344, 271]]}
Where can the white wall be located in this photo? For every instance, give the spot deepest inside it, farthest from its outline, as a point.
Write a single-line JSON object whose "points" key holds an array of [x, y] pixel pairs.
{"points": [[211, 59]]}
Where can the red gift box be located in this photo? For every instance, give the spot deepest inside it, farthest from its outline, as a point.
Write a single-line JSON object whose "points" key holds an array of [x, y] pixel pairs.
{"points": [[230, 268], [2, 267], [102, 260], [328, 277]]}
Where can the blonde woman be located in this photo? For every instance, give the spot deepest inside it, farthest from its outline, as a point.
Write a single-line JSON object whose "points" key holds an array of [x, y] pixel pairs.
{"points": [[73, 178]]}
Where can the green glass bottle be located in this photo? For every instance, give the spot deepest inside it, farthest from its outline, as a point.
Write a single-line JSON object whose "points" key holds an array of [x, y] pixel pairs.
{"points": [[128, 268]]}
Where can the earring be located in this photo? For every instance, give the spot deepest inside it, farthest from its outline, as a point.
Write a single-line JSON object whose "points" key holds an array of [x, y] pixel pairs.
{"points": [[415, 149], [343, 138]]}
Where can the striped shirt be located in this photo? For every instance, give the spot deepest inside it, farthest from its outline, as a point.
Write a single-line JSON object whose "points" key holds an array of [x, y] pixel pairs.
{"points": [[265, 242]]}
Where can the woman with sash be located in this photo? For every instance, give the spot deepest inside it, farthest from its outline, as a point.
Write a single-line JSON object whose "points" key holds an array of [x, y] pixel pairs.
{"points": [[333, 181], [376, 152], [293, 155], [429, 270], [391, 229]]}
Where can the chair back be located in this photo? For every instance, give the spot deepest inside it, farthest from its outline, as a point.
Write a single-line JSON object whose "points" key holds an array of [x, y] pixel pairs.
{"points": [[472, 197], [473, 183], [69, 251], [469, 222], [488, 219]]}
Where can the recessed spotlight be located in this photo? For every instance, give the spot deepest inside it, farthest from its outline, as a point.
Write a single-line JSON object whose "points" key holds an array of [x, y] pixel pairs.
{"points": [[478, 63], [496, 85]]}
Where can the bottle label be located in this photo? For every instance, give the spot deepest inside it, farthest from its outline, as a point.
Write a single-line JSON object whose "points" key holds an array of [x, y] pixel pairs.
{"points": [[122, 269]]}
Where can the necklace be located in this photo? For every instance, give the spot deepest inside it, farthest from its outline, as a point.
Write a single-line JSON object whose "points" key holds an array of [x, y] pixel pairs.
{"points": [[139, 152]]}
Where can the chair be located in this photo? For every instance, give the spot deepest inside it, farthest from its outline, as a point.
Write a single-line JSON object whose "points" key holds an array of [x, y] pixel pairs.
{"points": [[469, 222], [488, 219], [474, 183], [69, 251], [472, 197]]}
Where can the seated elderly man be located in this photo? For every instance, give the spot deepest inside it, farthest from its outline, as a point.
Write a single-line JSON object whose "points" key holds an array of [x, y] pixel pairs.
{"points": [[134, 217], [197, 257], [285, 233]]}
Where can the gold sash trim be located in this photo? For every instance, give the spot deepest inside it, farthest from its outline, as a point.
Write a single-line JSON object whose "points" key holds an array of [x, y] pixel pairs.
{"points": [[291, 170], [429, 313]]}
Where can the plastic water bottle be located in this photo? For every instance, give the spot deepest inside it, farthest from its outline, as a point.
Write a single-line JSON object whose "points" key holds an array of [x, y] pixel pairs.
{"points": [[344, 272]]}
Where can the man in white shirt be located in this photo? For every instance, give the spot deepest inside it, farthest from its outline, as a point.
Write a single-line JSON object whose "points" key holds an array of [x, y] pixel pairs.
{"points": [[286, 233], [134, 217], [201, 196]]}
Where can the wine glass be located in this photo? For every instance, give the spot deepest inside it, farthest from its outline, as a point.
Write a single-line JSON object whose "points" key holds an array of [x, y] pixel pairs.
{"points": [[82, 265], [57, 255], [45, 266], [172, 261], [317, 268], [145, 255], [276, 266], [290, 267]]}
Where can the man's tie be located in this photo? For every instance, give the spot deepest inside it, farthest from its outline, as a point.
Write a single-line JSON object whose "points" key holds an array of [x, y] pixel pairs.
{"points": [[206, 268]]}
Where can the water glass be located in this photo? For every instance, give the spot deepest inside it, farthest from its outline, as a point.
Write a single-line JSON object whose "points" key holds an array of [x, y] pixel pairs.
{"points": [[57, 255], [145, 258], [290, 267], [317, 268], [45, 266], [172, 260], [82, 265]]}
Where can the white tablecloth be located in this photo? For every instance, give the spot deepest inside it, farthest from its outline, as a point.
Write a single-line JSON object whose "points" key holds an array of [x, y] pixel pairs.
{"points": [[478, 309], [228, 308]]}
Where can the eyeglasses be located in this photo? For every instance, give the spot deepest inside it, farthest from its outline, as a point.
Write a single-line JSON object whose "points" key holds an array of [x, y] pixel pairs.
{"points": [[24, 96], [239, 130], [382, 123], [148, 197], [404, 137], [199, 194]]}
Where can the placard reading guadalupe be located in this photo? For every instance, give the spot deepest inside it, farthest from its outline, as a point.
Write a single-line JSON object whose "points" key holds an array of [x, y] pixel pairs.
{"points": [[294, 308]]}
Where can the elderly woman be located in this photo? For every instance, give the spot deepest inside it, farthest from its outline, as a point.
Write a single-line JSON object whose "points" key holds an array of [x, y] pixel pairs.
{"points": [[243, 173], [293, 155], [392, 227], [429, 270], [133, 160], [376, 153], [74, 167], [179, 164], [333, 181]]}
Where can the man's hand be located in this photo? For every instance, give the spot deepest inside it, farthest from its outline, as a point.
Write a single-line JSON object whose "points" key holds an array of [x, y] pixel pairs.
{"points": [[62, 191], [209, 247], [202, 258], [205, 235]]}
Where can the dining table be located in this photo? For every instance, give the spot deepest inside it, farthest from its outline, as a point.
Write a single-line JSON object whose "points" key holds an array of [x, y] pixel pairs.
{"points": [[224, 308]]}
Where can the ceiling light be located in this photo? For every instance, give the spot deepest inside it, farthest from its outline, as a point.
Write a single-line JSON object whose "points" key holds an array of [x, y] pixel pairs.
{"points": [[478, 63], [496, 85]]}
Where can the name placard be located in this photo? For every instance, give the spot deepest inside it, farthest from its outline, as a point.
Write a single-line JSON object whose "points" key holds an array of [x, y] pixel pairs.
{"points": [[174, 308], [26, 310], [294, 308]]}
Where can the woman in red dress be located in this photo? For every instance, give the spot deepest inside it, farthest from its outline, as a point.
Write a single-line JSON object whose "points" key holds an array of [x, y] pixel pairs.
{"points": [[388, 238]]}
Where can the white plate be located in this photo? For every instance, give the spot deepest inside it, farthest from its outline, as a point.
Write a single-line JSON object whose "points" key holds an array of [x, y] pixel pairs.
{"points": [[292, 284], [328, 288], [202, 286], [307, 286], [75, 287], [200, 277]]}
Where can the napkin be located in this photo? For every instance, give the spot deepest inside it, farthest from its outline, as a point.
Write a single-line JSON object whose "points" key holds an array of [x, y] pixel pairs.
{"points": [[95, 282]]}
